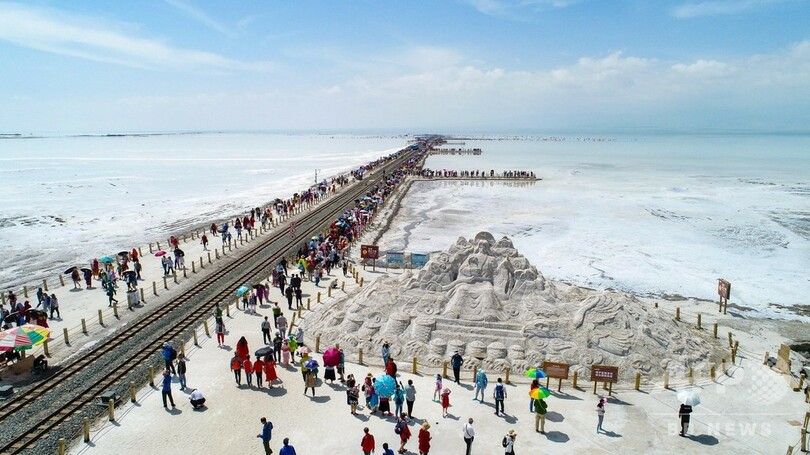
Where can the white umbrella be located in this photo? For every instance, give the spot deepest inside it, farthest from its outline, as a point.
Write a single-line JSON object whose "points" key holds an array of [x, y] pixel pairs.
{"points": [[688, 397]]}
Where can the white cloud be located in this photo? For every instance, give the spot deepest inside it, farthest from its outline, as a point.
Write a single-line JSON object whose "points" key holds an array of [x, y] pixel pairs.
{"points": [[200, 16], [511, 8], [90, 39], [720, 7]]}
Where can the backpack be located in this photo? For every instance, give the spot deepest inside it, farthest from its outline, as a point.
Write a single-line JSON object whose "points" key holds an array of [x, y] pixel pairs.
{"points": [[172, 353], [499, 392], [503, 443], [398, 428]]}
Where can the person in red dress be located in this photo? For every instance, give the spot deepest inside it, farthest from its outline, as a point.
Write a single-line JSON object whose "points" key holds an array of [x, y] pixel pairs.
{"points": [[242, 349], [424, 439]]}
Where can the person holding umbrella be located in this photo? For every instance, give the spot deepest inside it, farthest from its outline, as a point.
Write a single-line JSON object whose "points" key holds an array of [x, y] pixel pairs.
{"points": [[77, 281], [688, 399], [309, 381], [540, 409], [88, 277]]}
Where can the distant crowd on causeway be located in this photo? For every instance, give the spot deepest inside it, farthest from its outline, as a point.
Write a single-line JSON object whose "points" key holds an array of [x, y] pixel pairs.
{"points": [[450, 173]]}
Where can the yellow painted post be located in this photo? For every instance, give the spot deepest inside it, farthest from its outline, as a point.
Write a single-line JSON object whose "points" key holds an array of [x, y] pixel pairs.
{"points": [[508, 370], [45, 284], [132, 397], [360, 356], [207, 332], [638, 381], [361, 281], [25, 291], [666, 379], [698, 321], [152, 376], [84, 326], [45, 348], [318, 344], [86, 429], [61, 446], [165, 283], [574, 382], [111, 409], [414, 366], [723, 365], [677, 313], [143, 299], [309, 302], [100, 318], [61, 281], [444, 369], [329, 291], [712, 373], [115, 310], [714, 330], [319, 297]]}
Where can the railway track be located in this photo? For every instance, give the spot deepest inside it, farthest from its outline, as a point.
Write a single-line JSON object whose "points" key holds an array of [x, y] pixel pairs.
{"points": [[54, 408]]}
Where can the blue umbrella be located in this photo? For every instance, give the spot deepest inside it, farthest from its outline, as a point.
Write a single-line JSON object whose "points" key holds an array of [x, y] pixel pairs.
{"points": [[107, 259], [311, 364], [385, 385], [242, 290]]}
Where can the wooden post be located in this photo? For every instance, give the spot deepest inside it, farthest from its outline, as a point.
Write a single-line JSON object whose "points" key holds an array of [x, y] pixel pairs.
{"points": [[45, 348], [733, 356], [207, 332], [767, 356], [157, 246], [209, 258], [666, 379], [730, 340], [184, 272], [111, 409], [444, 369], [698, 321], [132, 397], [610, 389], [86, 429], [507, 372], [723, 365], [61, 446], [318, 344], [115, 310], [165, 283], [691, 376], [712, 373], [140, 253], [594, 387], [150, 247], [84, 326], [61, 281], [292, 322], [319, 298], [299, 313], [360, 356], [678, 313], [152, 376], [574, 382], [559, 384], [714, 330], [183, 348], [193, 269], [361, 281], [100, 318], [343, 285], [174, 274], [638, 381], [143, 299], [329, 291], [202, 266], [25, 291], [45, 284], [194, 334], [414, 366], [228, 309]]}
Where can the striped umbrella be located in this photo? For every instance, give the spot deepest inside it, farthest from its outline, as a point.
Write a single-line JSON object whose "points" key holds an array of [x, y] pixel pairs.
{"points": [[23, 337], [535, 373], [540, 393]]}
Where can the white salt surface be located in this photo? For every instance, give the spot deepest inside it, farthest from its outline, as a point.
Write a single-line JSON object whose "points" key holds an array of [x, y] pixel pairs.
{"points": [[657, 215]]}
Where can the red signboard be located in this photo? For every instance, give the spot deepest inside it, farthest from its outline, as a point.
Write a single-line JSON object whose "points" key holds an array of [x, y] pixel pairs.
{"points": [[604, 373], [556, 370], [723, 288], [369, 251]]}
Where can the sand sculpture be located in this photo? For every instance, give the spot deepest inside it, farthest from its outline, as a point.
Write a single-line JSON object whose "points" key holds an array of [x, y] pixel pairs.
{"points": [[484, 299]]}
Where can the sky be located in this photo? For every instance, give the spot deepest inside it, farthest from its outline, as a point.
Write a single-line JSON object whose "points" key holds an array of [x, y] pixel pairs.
{"points": [[404, 66]]}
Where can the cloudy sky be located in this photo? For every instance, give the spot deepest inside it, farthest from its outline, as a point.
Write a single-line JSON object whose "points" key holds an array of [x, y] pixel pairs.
{"points": [[474, 65]]}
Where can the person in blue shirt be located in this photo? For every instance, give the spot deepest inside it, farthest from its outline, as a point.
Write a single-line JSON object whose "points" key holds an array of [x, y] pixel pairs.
{"points": [[456, 362], [386, 450], [287, 449], [167, 388], [267, 434]]}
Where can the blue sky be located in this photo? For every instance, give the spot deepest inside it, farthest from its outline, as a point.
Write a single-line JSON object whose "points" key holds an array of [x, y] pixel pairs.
{"points": [[477, 65]]}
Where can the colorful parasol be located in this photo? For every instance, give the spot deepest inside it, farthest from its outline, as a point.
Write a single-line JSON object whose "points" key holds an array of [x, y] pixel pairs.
{"points": [[242, 290], [540, 393], [331, 357], [23, 337], [535, 373], [106, 259], [384, 386]]}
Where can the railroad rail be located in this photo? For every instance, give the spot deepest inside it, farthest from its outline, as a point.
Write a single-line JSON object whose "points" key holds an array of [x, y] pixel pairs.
{"points": [[35, 419]]}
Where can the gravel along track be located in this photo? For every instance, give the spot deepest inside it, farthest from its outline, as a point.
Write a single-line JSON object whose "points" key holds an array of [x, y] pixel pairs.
{"points": [[34, 420]]}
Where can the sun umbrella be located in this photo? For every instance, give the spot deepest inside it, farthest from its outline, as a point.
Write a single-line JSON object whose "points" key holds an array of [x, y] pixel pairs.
{"points": [[85, 269], [311, 364], [160, 253], [384, 385], [129, 272], [106, 259], [242, 290], [331, 357], [123, 253], [23, 337], [258, 286], [540, 393], [688, 397], [70, 270], [535, 373], [303, 350]]}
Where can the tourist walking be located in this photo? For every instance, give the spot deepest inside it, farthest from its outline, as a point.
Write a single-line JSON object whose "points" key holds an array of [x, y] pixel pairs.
{"points": [[481, 382], [367, 443], [445, 402], [55, 307], [258, 368], [236, 367], [399, 399], [403, 431], [385, 352], [220, 330], [600, 414], [469, 434], [457, 361], [277, 346], [309, 381], [508, 443], [683, 413], [386, 450], [540, 410], [181, 370], [499, 395], [437, 390], [270, 374], [276, 314], [166, 391], [247, 365], [352, 397], [204, 241], [266, 339], [281, 325], [287, 449], [424, 439], [266, 435], [410, 397]]}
